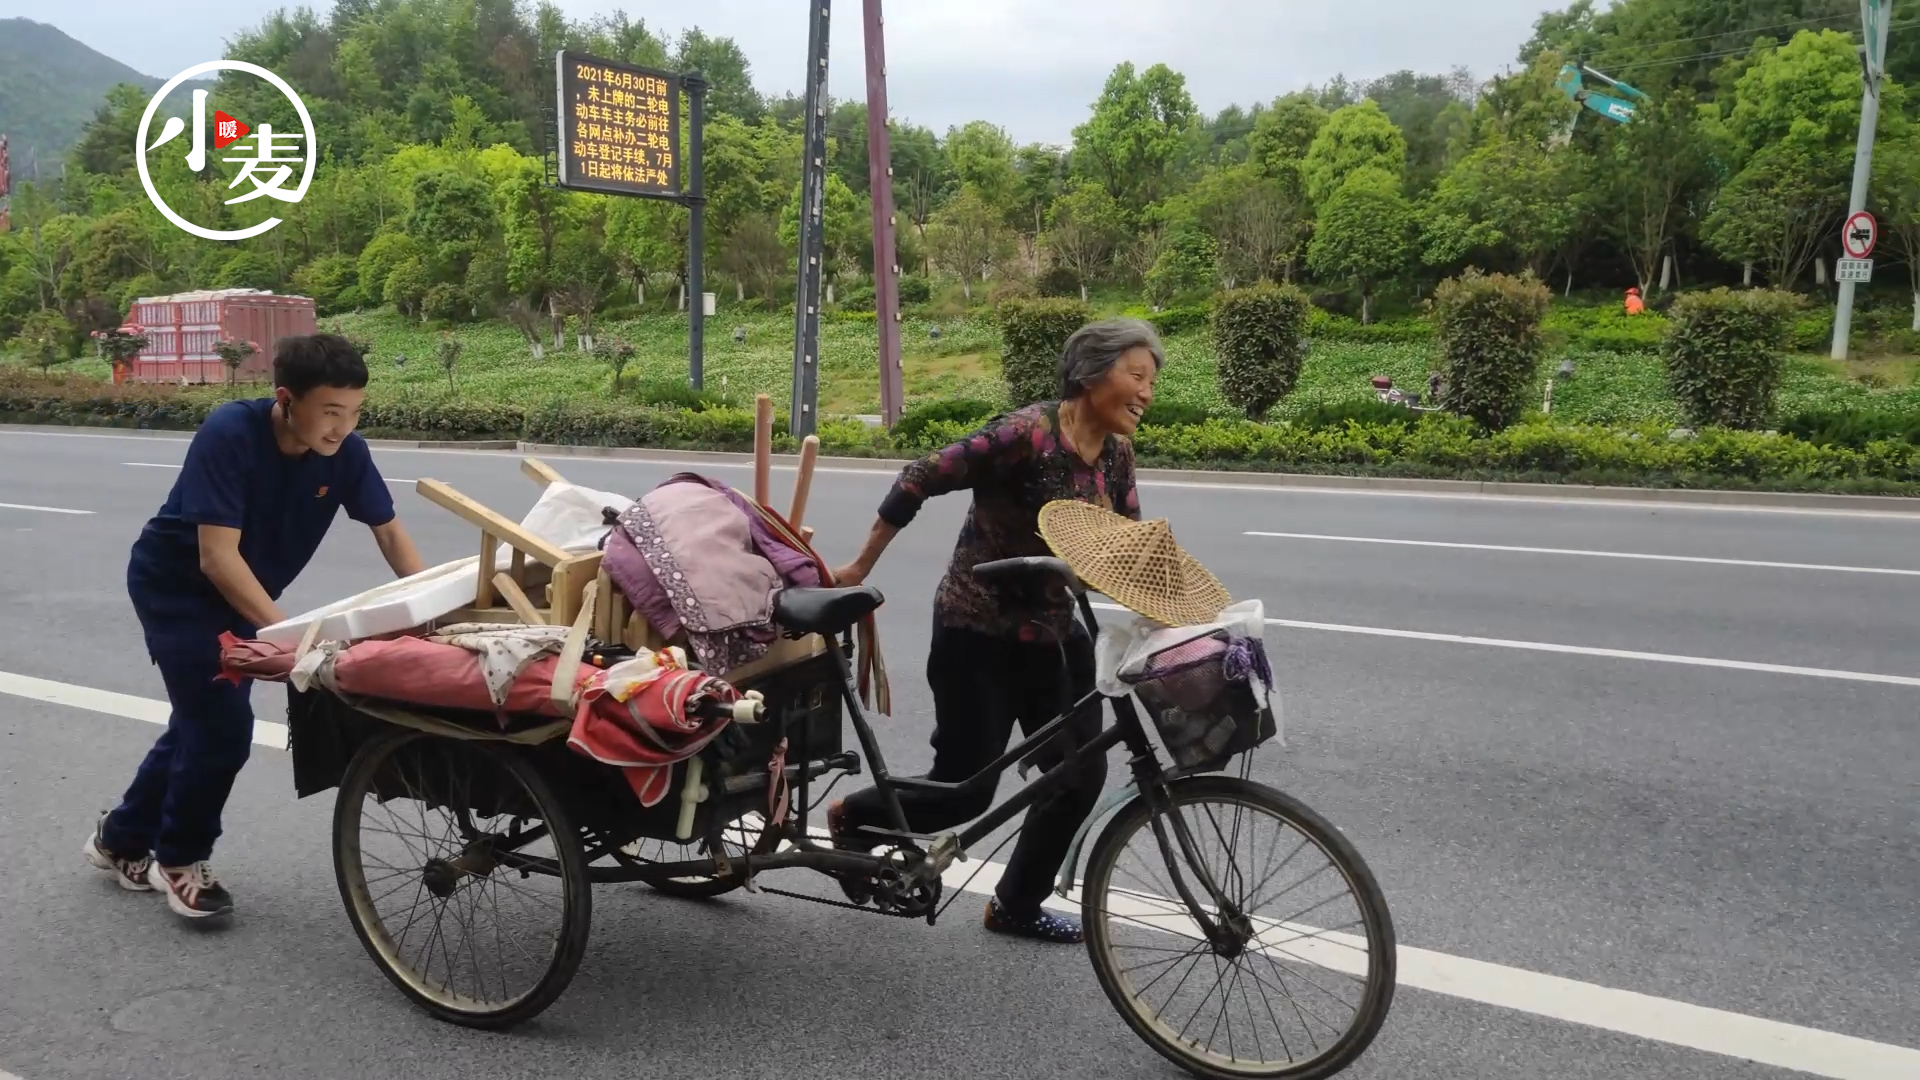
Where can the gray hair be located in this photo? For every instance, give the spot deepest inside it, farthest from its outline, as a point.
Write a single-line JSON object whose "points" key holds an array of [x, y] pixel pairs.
{"points": [[1094, 348]]}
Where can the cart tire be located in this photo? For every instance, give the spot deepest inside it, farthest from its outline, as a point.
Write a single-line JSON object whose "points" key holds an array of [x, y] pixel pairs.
{"points": [[568, 867], [1104, 905]]}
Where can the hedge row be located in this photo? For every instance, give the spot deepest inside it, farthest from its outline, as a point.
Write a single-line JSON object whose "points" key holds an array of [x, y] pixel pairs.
{"points": [[1432, 446]]}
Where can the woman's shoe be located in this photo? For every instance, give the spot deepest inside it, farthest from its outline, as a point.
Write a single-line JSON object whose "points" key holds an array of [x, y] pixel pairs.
{"points": [[1043, 925]]}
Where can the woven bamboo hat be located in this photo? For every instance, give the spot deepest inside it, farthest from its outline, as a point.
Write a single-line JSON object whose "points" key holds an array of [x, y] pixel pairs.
{"points": [[1137, 563]]}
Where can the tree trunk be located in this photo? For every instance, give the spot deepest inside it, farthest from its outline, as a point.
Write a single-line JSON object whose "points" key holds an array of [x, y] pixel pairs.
{"points": [[1746, 275], [1916, 310], [1083, 292], [1569, 291], [1366, 307], [966, 287], [640, 291], [739, 290]]}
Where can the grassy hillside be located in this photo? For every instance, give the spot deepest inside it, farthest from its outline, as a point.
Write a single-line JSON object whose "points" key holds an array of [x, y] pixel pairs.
{"points": [[50, 86]]}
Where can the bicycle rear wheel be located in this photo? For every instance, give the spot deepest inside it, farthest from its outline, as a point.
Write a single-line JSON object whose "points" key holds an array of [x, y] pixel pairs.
{"points": [[462, 876], [1301, 981]]}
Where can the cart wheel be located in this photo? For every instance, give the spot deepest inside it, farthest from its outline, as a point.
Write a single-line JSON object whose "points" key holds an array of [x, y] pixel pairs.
{"points": [[462, 875], [1300, 973], [744, 835]]}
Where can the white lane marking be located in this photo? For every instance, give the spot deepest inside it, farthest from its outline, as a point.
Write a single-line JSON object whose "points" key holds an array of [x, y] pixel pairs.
{"points": [[1591, 554], [265, 732], [1191, 485], [1588, 650], [1772, 1042], [42, 509], [1664, 1020], [164, 465]]}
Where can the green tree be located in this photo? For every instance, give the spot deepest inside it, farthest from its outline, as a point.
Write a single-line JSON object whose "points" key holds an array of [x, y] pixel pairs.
{"points": [[1083, 229], [1364, 234], [1778, 211], [1511, 198], [1354, 139], [1896, 187], [968, 239], [1656, 165], [1135, 134], [726, 69]]}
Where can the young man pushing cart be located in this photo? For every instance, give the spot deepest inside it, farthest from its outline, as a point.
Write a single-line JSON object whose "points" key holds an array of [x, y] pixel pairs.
{"points": [[261, 485]]}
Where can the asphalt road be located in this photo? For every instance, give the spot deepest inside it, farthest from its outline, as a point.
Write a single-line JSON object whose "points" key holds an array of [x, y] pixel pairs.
{"points": [[1685, 779]]}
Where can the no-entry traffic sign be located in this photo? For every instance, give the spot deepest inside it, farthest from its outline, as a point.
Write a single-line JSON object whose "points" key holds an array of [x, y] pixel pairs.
{"points": [[1859, 235]]}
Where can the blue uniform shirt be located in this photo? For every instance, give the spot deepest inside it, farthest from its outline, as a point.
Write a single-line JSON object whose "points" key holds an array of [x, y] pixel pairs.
{"points": [[235, 475]]}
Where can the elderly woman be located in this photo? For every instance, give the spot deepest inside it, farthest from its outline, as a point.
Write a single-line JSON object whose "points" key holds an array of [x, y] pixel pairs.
{"points": [[996, 652]]}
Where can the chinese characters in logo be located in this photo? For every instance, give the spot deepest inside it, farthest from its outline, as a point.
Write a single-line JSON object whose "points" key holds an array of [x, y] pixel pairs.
{"points": [[266, 157]]}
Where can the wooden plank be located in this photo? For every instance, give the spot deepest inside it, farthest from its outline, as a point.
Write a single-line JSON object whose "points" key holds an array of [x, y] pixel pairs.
{"points": [[762, 449], [540, 472], [489, 521], [518, 568], [603, 624], [483, 593], [516, 599], [497, 615], [568, 669], [803, 481], [570, 580]]}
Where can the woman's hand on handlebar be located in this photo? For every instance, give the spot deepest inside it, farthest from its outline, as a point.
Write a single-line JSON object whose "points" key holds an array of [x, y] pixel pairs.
{"points": [[850, 575]]}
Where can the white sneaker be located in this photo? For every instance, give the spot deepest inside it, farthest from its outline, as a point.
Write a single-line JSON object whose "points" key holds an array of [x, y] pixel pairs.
{"points": [[129, 874], [192, 891]]}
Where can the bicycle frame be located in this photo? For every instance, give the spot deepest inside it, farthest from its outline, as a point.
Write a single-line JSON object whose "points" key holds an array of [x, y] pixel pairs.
{"points": [[1149, 778]]}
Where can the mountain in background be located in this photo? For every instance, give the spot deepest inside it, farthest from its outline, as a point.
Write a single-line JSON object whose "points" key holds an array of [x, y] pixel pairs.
{"points": [[50, 87]]}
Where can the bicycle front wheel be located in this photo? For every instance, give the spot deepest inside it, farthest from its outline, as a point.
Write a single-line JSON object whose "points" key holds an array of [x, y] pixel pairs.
{"points": [[1298, 976]]}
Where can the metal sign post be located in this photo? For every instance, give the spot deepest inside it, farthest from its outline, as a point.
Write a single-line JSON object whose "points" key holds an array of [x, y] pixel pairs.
{"points": [[619, 134], [802, 418], [1874, 17]]}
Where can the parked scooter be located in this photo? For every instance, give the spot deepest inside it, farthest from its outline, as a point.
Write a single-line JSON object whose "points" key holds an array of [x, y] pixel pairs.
{"points": [[1389, 394]]}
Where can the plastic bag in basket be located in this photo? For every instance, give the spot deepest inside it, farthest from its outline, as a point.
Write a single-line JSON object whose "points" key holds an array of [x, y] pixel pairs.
{"points": [[1193, 679]]}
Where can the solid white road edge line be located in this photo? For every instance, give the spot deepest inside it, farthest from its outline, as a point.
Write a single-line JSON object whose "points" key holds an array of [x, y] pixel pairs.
{"points": [[1588, 650], [1591, 554], [1196, 485], [265, 732], [1677, 1023], [43, 509]]}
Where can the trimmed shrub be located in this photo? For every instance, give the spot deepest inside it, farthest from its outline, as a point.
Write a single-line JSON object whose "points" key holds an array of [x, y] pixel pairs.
{"points": [[1258, 335], [328, 280], [1179, 320], [1833, 427], [915, 289], [915, 422], [1725, 354], [1490, 343], [1366, 412], [1032, 335], [1812, 332], [1175, 413], [1323, 325]]}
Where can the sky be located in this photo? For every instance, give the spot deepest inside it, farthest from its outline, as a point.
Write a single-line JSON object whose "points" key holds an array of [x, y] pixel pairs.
{"points": [[1032, 66]]}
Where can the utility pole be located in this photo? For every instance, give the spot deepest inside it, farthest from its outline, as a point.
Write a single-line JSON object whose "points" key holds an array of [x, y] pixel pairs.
{"points": [[886, 273], [802, 420], [1874, 17]]}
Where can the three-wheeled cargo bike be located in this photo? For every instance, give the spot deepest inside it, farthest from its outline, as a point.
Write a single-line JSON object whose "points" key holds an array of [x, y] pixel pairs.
{"points": [[1235, 930]]}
